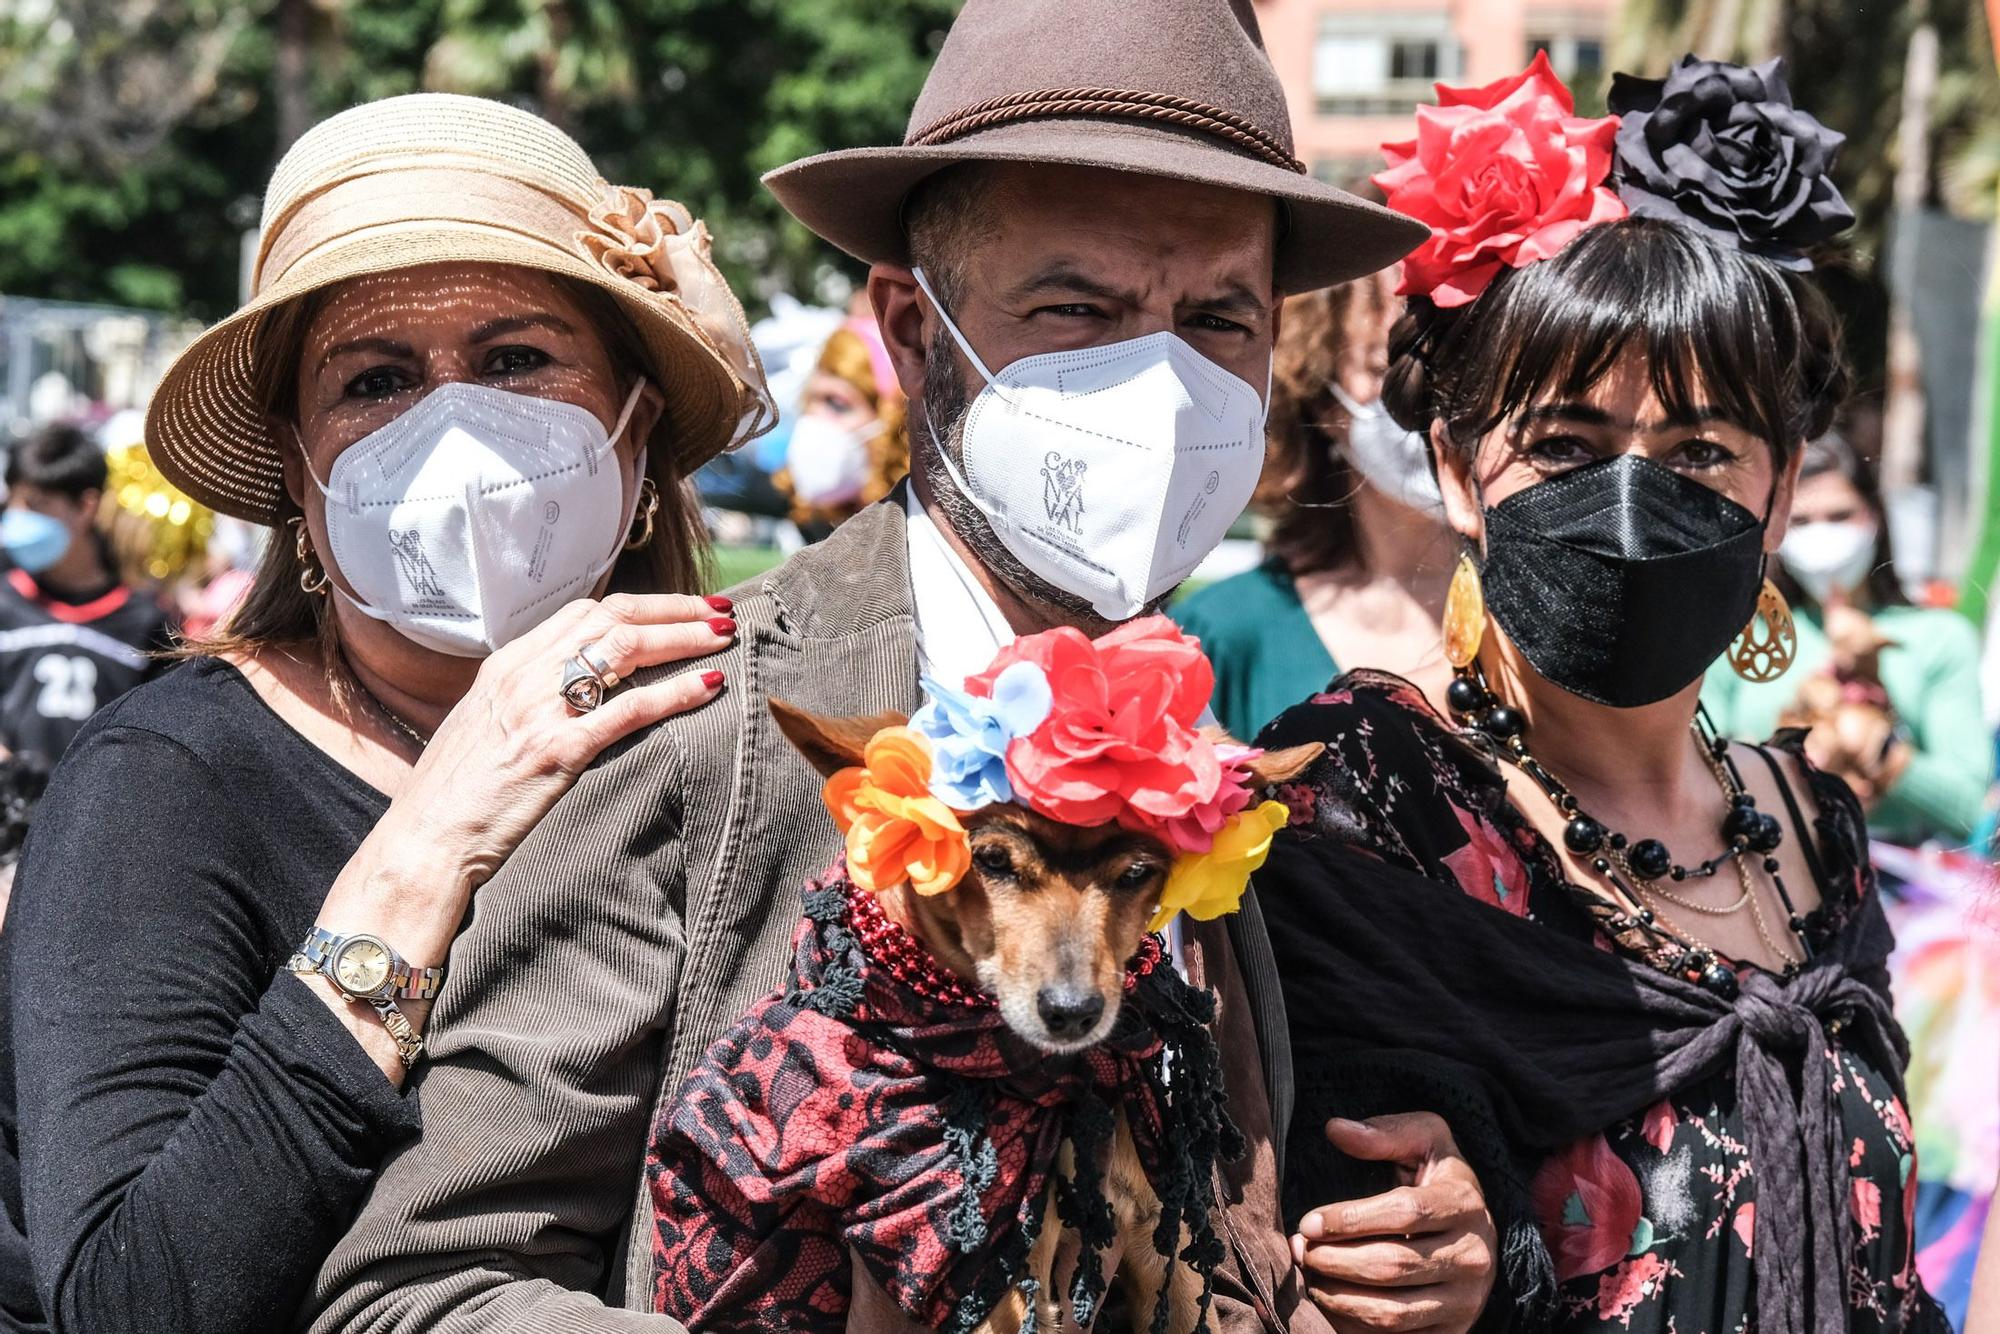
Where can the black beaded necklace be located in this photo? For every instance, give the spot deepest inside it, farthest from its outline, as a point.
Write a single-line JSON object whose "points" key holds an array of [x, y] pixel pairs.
{"points": [[1634, 869]]}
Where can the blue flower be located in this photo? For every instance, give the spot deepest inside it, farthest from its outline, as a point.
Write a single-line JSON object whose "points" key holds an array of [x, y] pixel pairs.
{"points": [[969, 735]]}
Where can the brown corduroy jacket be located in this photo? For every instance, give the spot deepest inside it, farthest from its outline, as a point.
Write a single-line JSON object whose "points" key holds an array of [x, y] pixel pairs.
{"points": [[652, 906]]}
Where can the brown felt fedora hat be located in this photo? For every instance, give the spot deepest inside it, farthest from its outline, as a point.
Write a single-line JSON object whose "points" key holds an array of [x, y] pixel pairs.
{"points": [[1173, 88], [432, 178]]}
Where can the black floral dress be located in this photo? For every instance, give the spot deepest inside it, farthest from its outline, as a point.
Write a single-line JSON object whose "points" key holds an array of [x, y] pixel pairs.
{"points": [[1650, 1223]]}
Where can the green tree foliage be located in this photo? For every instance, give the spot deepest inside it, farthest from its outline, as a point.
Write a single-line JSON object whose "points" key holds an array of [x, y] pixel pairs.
{"points": [[1845, 62], [137, 135]]}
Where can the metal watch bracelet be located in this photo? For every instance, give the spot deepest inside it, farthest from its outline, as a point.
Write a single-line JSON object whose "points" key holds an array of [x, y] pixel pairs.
{"points": [[409, 1043], [412, 983]]}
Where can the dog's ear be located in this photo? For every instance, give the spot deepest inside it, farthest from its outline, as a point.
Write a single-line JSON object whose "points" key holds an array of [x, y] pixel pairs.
{"points": [[830, 744], [1282, 766]]}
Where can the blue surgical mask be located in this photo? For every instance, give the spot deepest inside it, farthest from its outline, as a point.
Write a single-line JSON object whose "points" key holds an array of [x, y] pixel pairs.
{"points": [[32, 540]]}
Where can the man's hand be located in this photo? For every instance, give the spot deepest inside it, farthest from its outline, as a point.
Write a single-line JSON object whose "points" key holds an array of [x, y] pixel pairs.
{"points": [[1419, 1257]]}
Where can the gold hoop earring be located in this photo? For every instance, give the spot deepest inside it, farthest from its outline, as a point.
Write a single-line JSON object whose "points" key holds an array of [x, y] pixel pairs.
{"points": [[1464, 615], [649, 505], [1760, 657], [312, 577]]}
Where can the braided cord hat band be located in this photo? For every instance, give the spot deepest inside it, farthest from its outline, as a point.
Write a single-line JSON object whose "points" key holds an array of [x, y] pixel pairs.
{"points": [[1114, 103], [1180, 90]]}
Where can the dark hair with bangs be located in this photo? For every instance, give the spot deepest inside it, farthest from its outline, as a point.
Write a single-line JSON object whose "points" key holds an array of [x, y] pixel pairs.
{"points": [[1754, 342]]}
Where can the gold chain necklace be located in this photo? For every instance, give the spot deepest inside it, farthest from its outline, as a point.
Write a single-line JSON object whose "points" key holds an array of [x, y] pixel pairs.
{"points": [[387, 714], [1632, 869]]}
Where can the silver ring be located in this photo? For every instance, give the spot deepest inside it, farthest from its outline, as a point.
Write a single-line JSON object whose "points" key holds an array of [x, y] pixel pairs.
{"points": [[582, 688], [593, 657]]}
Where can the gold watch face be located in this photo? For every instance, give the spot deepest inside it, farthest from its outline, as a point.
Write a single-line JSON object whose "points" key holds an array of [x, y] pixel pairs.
{"points": [[362, 965]]}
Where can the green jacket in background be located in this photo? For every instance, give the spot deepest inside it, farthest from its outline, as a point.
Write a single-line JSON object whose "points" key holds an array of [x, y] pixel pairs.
{"points": [[1932, 677], [1267, 655]]}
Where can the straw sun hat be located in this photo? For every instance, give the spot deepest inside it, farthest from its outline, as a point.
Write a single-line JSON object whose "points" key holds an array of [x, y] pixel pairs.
{"points": [[433, 178]]}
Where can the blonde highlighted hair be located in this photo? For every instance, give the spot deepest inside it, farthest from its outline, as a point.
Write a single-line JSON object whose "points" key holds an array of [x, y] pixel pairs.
{"points": [[846, 357]]}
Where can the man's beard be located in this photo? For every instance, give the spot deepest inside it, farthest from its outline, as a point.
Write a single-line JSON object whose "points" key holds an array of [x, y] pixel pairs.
{"points": [[944, 411]]}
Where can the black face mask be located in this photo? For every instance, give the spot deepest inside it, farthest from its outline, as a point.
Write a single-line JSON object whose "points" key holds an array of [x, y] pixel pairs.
{"points": [[1623, 580]]}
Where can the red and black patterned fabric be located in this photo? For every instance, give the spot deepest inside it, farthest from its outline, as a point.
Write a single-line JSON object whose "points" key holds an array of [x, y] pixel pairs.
{"points": [[872, 1109]]}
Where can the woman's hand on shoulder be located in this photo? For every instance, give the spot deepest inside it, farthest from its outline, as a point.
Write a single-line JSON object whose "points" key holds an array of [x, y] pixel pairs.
{"points": [[514, 744], [502, 757]]}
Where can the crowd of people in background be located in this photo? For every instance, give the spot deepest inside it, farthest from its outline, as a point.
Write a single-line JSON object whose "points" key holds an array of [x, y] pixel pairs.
{"points": [[438, 464]]}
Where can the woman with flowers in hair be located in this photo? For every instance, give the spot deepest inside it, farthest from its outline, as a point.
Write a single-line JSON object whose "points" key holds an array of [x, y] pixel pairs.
{"points": [[1639, 968]]}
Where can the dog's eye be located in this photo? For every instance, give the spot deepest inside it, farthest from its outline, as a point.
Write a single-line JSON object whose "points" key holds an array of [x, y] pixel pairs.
{"points": [[1136, 875], [993, 860]]}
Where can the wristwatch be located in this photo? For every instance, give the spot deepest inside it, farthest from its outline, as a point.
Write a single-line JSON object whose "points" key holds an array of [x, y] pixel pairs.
{"points": [[365, 968]]}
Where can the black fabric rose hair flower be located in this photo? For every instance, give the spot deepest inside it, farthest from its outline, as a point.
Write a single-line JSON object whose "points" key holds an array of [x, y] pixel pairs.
{"points": [[1722, 146]]}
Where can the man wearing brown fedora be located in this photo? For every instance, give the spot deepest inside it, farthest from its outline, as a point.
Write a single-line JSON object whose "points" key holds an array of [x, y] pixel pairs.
{"points": [[1079, 253]]}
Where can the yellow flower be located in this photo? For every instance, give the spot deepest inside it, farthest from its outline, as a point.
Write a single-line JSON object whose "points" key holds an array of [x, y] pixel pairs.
{"points": [[1205, 885], [896, 830]]}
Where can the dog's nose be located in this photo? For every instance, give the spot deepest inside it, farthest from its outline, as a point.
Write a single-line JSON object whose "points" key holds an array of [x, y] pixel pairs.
{"points": [[1069, 1013]]}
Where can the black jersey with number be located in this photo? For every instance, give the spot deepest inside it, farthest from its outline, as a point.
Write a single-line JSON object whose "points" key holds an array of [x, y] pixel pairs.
{"points": [[62, 661]]}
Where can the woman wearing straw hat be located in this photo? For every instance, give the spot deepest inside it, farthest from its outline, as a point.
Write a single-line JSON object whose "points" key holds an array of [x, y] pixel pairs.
{"points": [[467, 392]]}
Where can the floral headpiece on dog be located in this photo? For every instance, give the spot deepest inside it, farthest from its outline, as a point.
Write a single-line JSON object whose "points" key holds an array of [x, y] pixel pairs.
{"points": [[1508, 174], [1085, 732]]}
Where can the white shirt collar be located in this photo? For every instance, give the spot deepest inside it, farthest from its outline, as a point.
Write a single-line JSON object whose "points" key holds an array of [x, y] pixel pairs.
{"points": [[960, 629]]}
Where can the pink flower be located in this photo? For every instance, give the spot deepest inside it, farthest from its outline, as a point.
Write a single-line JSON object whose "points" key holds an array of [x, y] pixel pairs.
{"points": [[1897, 1120], [1504, 175], [1745, 1225], [1301, 800], [1866, 1198], [1659, 1125], [1587, 1202], [1120, 743], [1620, 1291], [1196, 831], [1487, 868]]}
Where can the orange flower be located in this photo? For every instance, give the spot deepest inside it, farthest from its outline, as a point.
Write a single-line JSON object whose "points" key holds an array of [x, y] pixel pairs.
{"points": [[896, 830]]}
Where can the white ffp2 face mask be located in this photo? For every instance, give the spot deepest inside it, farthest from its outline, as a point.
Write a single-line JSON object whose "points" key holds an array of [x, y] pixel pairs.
{"points": [[827, 461], [469, 519], [1109, 471], [1394, 461], [1829, 555]]}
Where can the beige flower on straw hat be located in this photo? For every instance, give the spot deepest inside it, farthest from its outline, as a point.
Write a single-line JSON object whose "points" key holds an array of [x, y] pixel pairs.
{"points": [[434, 178]]}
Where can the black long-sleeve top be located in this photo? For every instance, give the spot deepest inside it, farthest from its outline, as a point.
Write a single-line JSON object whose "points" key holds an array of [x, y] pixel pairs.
{"points": [[196, 1127]]}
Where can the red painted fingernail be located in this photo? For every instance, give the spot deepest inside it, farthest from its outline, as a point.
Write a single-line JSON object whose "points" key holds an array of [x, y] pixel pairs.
{"points": [[719, 602], [722, 625], [711, 679]]}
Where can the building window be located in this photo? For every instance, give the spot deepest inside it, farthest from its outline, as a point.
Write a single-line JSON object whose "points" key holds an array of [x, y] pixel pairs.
{"points": [[1380, 64], [1578, 61], [1414, 59]]}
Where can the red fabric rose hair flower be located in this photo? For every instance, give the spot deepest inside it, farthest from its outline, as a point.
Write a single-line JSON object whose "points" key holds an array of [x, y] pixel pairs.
{"points": [[1120, 742], [1504, 175]]}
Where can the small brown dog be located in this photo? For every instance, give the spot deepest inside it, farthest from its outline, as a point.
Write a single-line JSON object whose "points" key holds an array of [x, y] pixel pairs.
{"points": [[1045, 921], [1851, 726]]}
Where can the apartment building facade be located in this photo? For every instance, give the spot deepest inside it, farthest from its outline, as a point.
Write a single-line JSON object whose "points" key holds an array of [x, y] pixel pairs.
{"points": [[1353, 70]]}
